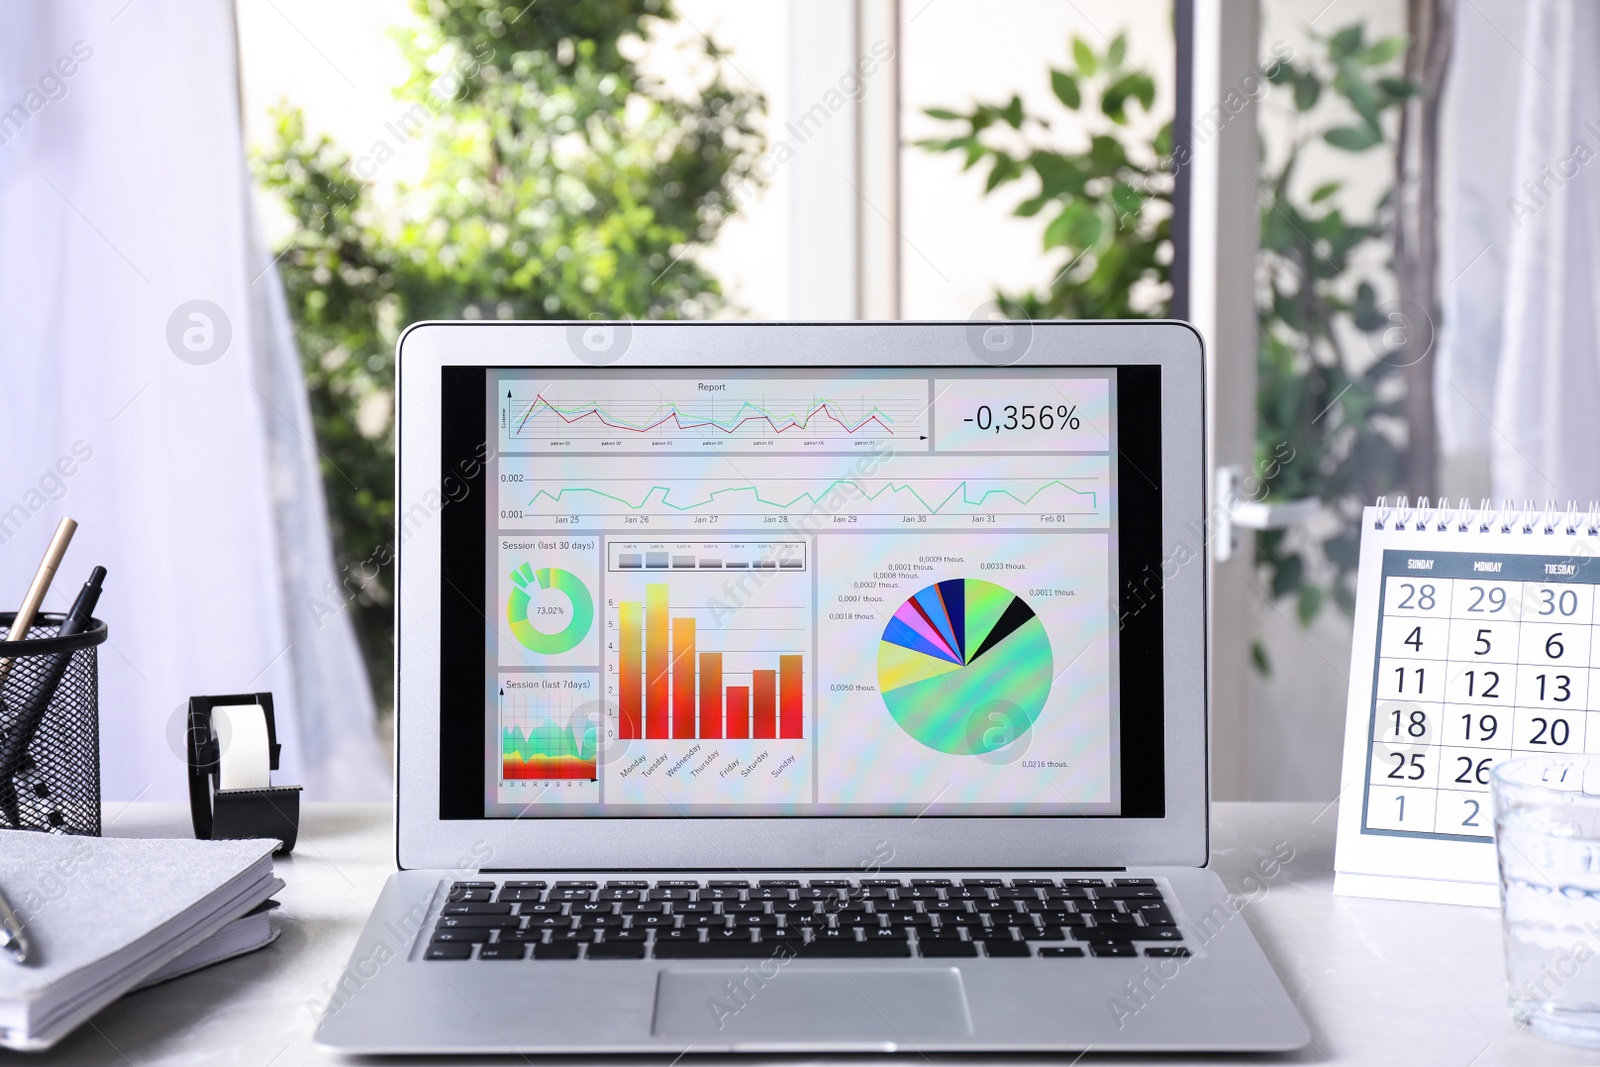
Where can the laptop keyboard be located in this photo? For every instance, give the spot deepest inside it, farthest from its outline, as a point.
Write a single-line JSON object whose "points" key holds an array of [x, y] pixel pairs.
{"points": [[820, 918]]}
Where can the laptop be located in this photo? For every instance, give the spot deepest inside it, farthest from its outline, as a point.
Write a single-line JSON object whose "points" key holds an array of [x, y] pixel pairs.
{"points": [[802, 687]]}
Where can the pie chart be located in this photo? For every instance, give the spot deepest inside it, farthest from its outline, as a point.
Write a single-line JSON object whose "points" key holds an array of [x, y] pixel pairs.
{"points": [[956, 651], [518, 604]]}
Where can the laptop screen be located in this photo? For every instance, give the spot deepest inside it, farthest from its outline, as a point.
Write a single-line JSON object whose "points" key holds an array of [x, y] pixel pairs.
{"points": [[816, 592]]}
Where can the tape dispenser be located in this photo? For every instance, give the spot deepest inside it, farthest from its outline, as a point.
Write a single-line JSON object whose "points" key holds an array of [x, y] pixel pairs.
{"points": [[233, 750]]}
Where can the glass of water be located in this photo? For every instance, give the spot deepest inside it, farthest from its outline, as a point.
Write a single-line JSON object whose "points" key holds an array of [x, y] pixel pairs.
{"points": [[1547, 833]]}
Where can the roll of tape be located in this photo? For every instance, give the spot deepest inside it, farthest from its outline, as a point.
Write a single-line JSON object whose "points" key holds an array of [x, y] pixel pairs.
{"points": [[241, 730]]}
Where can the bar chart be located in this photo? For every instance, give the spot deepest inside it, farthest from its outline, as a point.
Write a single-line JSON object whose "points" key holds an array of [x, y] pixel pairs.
{"points": [[741, 676], [706, 555]]}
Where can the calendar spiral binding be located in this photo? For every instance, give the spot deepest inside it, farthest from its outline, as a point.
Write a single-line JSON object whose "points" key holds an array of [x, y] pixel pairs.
{"points": [[1507, 518]]}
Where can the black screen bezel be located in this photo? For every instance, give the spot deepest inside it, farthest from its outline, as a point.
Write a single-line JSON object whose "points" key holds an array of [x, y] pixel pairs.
{"points": [[466, 453]]}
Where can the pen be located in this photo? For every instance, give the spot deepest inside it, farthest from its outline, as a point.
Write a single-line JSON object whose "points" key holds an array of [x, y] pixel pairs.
{"points": [[38, 588], [15, 742], [11, 938]]}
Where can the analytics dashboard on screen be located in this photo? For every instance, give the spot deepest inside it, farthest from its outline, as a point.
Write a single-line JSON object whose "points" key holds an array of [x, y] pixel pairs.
{"points": [[756, 592]]}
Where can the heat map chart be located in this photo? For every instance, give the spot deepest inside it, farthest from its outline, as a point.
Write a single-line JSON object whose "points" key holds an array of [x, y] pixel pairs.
{"points": [[728, 415], [545, 737]]}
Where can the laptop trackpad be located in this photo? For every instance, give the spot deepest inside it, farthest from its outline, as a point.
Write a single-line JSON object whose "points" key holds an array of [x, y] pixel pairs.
{"points": [[892, 1007]]}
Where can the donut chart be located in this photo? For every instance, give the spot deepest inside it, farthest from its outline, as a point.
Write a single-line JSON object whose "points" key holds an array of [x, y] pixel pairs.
{"points": [[562, 581], [954, 652]]}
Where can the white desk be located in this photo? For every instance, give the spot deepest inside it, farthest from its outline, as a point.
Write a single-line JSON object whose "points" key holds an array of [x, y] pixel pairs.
{"points": [[1380, 982]]}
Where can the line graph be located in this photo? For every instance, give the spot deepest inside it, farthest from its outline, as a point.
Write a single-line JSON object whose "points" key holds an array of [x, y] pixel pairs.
{"points": [[752, 416], [733, 414], [897, 498], [810, 503]]}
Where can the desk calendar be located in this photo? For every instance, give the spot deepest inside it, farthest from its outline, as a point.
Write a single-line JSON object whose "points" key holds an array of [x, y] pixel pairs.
{"points": [[1474, 643]]}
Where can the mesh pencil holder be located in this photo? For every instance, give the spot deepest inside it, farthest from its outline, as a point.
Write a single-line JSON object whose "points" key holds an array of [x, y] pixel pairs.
{"points": [[50, 728]]}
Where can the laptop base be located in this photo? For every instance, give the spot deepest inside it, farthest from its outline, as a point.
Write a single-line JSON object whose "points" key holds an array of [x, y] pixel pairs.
{"points": [[1208, 989]]}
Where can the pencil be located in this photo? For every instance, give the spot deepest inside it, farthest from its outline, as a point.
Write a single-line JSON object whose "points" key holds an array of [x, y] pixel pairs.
{"points": [[38, 588]]}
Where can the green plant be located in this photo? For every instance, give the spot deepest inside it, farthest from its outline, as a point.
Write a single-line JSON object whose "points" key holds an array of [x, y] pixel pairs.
{"points": [[1110, 203], [562, 182], [1338, 413], [1333, 400]]}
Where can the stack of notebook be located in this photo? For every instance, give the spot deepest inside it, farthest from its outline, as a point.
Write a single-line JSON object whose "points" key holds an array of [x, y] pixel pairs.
{"points": [[107, 915]]}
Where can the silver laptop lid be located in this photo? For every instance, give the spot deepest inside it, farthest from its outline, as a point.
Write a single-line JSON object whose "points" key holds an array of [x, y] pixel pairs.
{"points": [[746, 596]]}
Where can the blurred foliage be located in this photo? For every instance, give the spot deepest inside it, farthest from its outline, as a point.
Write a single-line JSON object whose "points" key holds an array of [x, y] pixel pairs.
{"points": [[1330, 387], [1109, 204], [562, 182], [1337, 412]]}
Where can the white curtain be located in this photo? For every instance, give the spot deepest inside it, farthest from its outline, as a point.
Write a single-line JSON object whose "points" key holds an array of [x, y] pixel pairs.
{"points": [[1519, 371], [124, 197]]}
